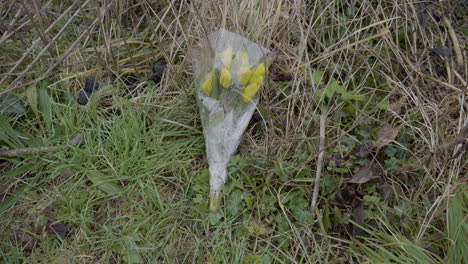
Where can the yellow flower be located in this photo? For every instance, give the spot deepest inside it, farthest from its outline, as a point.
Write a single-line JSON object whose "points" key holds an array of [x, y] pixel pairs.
{"points": [[225, 78], [207, 85], [244, 75], [259, 71], [249, 92], [243, 58], [226, 57], [257, 79]]}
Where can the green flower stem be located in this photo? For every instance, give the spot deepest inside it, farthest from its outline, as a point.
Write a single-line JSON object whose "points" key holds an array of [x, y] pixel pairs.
{"points": [[215, 201]]}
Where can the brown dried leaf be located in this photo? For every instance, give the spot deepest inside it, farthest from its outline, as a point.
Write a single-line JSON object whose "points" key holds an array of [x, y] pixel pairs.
{"points": [[360, 218], [363, 150], [386, 134], [59, 230], [67, 173], [27, 242], [442, 51], [364, 175], [395, 107], [53, 229], [281, 76]]}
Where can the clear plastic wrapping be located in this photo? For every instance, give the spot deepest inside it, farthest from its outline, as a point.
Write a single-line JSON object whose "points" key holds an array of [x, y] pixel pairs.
{"points": [[229, 72]]}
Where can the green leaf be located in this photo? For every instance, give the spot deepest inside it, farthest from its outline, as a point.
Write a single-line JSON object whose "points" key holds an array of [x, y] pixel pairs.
{"points": [[11, 200], [319, 94], [347, 96], [45, 106], [103, 182], [331, 88], [317, 77], [10, 104], [340, 89], [457, 227], [248, 201], [31, 95], [214, 218], [266, 114], [21, 170], [234, 202], [384, 105], [9, 135], [131, 254]]}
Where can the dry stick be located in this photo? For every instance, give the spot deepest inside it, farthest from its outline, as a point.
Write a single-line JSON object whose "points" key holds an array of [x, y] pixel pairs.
{"points": [[60, 60], [35, 42], [29, 151], [323, 117], [360, 119], [36, 59], [37, 24], [10, 25], [456, 44], [329, 54], [8, 34], [459, 77], [448, 85]]}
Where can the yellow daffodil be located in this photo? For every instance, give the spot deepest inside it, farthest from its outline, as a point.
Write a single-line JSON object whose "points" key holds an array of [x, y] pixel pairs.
{"points": [[225, 78], [257, 79], [249, 92], [226, 57], [207, 85], [243, 57], [254, 83], [259, 71], [243, 75]]}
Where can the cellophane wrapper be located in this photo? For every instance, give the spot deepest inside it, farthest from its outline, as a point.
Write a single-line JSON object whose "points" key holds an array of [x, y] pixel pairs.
{"points": [[229, 71]]}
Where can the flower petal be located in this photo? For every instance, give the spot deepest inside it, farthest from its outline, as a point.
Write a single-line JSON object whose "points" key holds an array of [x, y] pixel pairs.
{"points": [[244, 75], [226, 57], [249, 92], [225, 78], [207, 85]]}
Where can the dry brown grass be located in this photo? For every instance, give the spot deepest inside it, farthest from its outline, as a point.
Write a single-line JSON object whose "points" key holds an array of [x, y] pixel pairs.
{"points": [[379, 49]]}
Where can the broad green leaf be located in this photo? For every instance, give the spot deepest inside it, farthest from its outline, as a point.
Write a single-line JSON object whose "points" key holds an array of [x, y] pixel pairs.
{"points": [[457, 227], [248, 201], [21, 169], [9, 135], [45, 106], [331, 88], [384, 105], [11, 200], [340, 89], [266, 114], [10, 104], [104, 182], [234, 202], [132, 254], [319, 94], [31, 95], [317, 77]]}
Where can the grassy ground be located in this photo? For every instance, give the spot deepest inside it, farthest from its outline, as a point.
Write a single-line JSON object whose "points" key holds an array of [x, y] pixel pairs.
{"points": [[388, 78]]}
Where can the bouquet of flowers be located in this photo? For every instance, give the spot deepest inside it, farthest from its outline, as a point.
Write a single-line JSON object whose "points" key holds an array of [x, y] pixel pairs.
{"points": [[229, 72]]}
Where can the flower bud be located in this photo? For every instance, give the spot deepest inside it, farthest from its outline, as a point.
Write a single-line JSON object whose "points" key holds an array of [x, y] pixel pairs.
{"points": [[244, 75], [249, 92], [259, 71], [225, 78], [207, 85], [226, 57]]}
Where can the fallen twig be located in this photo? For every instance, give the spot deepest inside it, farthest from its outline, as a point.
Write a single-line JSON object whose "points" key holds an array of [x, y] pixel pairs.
{"points": [[29, 151], [456, 44], [318, 173]]}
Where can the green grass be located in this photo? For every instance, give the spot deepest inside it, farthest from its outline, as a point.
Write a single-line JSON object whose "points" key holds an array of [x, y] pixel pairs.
{"points": [[135, 190]]}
